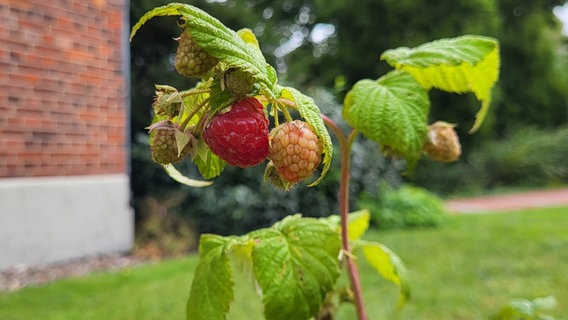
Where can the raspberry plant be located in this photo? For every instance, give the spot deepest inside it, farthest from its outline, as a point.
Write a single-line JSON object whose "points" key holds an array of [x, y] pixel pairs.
{"points": [[296, 263]]}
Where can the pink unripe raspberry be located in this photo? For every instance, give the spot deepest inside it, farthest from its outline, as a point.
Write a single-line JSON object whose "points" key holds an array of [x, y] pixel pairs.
{"points": [[295, 150], [239, 136]]}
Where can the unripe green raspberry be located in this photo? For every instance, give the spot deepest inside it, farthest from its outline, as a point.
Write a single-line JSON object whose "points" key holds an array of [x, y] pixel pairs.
{"points": [[444, 144], [191, 59], [168, 102], [164, 141], [238, 82], [295, 150]]}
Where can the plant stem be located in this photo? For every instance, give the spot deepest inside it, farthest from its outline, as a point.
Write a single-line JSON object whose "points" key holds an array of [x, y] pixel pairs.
{"points": [[345, 143], [194, 112], [193, 91]]}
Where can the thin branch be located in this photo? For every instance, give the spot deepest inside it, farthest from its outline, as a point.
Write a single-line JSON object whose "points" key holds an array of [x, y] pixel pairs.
{"points": [[345, 143], [193, 91], [194, 112]]}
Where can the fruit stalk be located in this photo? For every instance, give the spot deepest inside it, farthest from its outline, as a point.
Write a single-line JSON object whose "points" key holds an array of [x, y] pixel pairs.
{"points": [[345, 144]]}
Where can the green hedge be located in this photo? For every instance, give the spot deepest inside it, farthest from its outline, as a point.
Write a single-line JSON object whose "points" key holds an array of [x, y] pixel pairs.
{"points": [[403, 208]]}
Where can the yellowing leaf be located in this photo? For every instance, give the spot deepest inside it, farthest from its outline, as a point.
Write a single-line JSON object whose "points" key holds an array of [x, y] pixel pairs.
{"points": [[358, 223], [248, 36], [459, 65], [388, 265]]}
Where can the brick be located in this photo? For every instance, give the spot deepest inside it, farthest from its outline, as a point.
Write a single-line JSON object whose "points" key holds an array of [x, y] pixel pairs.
{"points": [[62, 102]]}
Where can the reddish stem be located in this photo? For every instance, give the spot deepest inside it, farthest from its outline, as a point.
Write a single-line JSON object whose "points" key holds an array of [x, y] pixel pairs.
{"points": [[345, 143]]}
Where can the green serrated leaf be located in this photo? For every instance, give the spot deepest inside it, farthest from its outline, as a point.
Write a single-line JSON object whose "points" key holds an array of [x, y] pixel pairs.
{"points": [[391, 111], [464, 64], [181, 178], [168, 10], [388, 265], [208, 163], [296, 265], [219, 41], [212, 287], [310, 112]]}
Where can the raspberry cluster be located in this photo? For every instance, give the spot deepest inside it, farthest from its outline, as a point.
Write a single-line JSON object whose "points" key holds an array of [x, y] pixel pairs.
{"points": [[238, 134]]}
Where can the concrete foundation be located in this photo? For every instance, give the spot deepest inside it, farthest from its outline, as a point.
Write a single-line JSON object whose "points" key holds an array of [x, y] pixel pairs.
{"points": [[44, 220]]}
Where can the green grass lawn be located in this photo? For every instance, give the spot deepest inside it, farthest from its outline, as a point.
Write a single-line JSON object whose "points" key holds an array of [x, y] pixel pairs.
{"points": [[466, 269]]}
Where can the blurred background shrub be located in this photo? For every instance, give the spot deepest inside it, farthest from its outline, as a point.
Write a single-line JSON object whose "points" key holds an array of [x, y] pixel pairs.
{"points": [[528, 158], [161, 231], [407, 207]]}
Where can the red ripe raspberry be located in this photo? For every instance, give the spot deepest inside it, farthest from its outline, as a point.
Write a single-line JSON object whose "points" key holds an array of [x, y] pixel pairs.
{"points": [[239, 136], [295, 150]]}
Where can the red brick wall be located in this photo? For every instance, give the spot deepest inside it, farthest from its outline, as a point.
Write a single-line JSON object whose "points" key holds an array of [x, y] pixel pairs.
{"points": [[63, 107]]}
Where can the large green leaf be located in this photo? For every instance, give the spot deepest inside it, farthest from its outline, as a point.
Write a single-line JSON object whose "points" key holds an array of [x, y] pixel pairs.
{"points": [[296, 265], [218, 40], [392, 111], [388, 265], [212, 287], [464, 64], [310, 112]]}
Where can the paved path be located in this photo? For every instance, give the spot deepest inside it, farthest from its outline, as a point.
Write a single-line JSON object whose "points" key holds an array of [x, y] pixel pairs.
{"points": [[503, 203]]}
